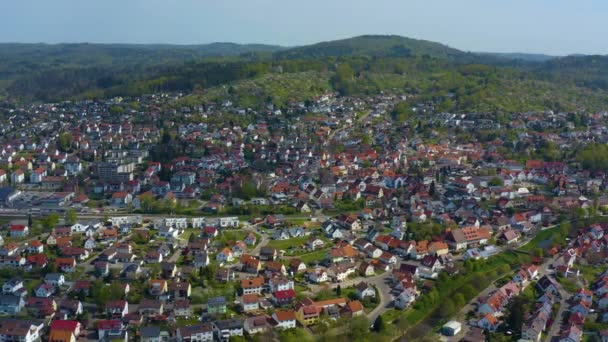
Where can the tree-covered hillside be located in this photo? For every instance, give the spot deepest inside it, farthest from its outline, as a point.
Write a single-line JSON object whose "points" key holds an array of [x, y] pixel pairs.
{"points": [[250, 75]]}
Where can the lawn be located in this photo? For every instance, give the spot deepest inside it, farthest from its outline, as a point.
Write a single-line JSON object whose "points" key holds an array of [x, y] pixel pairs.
{"points": [[289, 243], [315, 256], [231, 235]]}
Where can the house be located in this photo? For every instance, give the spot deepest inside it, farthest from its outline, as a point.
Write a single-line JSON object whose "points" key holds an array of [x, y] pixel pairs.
{"points": [[227, 328], [18, 230], [121, 199], [285, 319], [150, 333], [318, 275], [250, 302], [224, 275], [250, 239], [20, 330], [216, 305], [364, 290], [66, 264], [54, 279], [252, 285], [405, 299], [200, 260], [280, 283], [70, 308], [284, 297], [13, 286], [274, 267], [11, 304], [35, 247], [70, 326], [268, 254], [182, 308], [150, 308], [296, 266], [168, 269], [102, 268], [572, 333], [111, 329], [35, 261], [198, 332], [225, 255], [366, 269], [257, 324], [180, 290], [158, 287], [44, 290], [510, 236], [17, 177], [352, 309], [41, 307], [308, 314], [488, 322], [117, 308], [314, 243]]}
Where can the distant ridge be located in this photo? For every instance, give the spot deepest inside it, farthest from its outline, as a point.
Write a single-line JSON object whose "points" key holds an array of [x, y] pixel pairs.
{"points": [[371, 45]]}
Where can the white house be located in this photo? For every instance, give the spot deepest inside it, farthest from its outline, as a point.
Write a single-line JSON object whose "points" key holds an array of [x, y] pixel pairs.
{"points": [[405, 299], [286, 319]]}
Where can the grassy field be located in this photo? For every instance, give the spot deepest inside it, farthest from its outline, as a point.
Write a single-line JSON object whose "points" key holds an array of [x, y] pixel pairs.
{"points": [[290, 243], [315, 256]]}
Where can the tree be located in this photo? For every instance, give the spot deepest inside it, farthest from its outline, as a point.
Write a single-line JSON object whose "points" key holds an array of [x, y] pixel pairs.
{"points": [[359, 328], [338, 290], [496, 182], [447, 308], [379, 325], [71, 217], [247, 190], [64, 141], [102, 293], [50, 221]]}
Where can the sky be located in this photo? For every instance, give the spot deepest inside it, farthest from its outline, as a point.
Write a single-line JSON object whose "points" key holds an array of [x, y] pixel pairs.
{"points": [[556, 27]]}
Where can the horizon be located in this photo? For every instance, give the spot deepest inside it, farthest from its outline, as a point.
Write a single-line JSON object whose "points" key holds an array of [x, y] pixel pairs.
{"points": [[551, 27], [282, 46]]}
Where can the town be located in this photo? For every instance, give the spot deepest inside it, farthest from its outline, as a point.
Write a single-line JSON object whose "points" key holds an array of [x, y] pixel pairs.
{"points": [[140, 218]]}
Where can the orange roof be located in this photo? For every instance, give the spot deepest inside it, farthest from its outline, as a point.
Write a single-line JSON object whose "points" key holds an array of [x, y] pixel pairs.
{"points": [[328, 302], [285, 315], [354, 306], [35, 243], [252, 282], [60, 336]]}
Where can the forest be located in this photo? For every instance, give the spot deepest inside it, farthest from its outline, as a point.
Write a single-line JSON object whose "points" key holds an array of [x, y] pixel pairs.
{"points": [[252, 74]]}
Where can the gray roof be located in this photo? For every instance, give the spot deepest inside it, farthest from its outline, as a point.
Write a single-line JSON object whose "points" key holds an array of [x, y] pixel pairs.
{"points": [[217, 301], [235, 323], [9, 300], [53, 276], [150, 331]]}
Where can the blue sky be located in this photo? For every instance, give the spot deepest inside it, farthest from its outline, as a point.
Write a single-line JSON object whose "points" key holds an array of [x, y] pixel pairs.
{"points": [[539, 26]]}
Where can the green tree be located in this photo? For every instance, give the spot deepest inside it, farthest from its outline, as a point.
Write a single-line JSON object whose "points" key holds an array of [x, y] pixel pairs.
{"points": [[379, 324], [50, 221], [64, 141], [71, 216], [359, 328]]}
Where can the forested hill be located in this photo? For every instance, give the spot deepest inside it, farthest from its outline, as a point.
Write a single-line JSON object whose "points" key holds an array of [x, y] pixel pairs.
{"points": [[24, 58], [585, 71], [360, 65], [371, 45]]}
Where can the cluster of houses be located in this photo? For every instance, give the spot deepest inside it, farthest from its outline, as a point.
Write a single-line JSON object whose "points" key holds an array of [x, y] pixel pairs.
{"points": [[490, 308]]}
